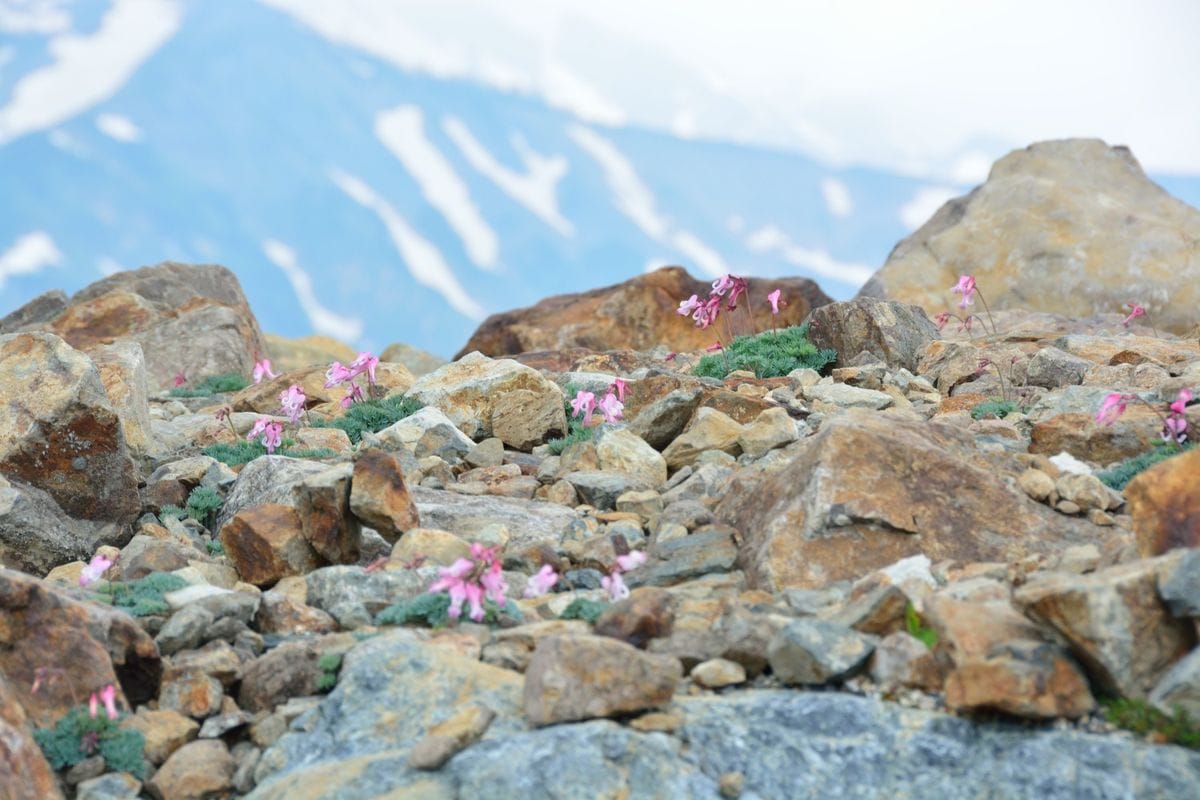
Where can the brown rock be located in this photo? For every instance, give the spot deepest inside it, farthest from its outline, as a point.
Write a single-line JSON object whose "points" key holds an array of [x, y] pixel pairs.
{"points": [[1115, 622], [263, 398], [1030, 679], [902, 660], [74, 648], [200, 770], [185, 317], [24, 772], [192, 693], [430, 545], [1080, 435], [122, 368], [717, 673], [447, 738], [870, 489], [648, 613], [60, 433], [709, 430], [278, 613], [895, 333], [307, 351], [584, 677], [1164, 502], [511, 648], [379, 497], [323, 505], [289, 670], [638, 314], [1071, 226], [164, 730], [266, 543]]}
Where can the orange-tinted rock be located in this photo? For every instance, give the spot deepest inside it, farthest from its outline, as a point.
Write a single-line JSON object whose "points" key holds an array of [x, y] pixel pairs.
{"points": [[78, 648], [1030, 679], [1079, 434], [648, 613], [59, 431], [379, 496], [197, 771], [266, 543], [323, 503], [24, 772], [870, 489], [1165, 504], [638, 314]]}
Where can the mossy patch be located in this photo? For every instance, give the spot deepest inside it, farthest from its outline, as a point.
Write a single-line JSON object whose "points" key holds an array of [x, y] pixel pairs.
{"points": [[771, 354]]}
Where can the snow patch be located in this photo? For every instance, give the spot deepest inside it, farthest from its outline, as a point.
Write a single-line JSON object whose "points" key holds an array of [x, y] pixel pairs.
{"points": [[120, 128], [89, 69], [29, 254], [536, 188], [770, 239], [924, 204], [324, 321], [423, 261], [635, 200], [402, 131], [837, 197]]}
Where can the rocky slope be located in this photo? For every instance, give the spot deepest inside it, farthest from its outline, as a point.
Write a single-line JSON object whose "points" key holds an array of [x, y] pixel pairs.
{"points": [[851, 586]]}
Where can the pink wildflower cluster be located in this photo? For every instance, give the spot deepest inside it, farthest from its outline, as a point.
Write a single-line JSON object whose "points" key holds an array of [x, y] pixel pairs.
{"points": [[612, 407], [262, 369], [727, 288], [107, 696], [291, 402], [540, 582], [613, 583], [1135, 311], [1175, 424], [270, 431], [471, 580], [968, 289], [338, 374], [95, 569]]}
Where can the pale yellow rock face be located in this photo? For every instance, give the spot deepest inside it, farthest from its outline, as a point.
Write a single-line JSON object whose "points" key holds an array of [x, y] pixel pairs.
{"points": [[306, 351], [1071, 226]]}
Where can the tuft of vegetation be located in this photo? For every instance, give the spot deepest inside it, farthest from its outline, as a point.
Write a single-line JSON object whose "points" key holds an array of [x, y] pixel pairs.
{"points": [[243, 452], [587, 610], [202, 503], [329, 664], [998, 409], [576, 432], [213, 384], [372, 416], [77, 736], [172, 512], [214, 547], [1118, 476], [1142, 718], [770, 354], [433, 610], [917, 629], [144, 597]]}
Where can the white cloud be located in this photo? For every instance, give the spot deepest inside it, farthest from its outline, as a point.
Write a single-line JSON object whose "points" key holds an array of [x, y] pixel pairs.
{"points": [[88, 69], [635, 200], [324, 321], [423, 261], [30, 253], [837, 197], [536, 188], [402, 131], [770, 239], [41, 17], [107, 265], [971, 168], [118, 127], [564, 89], [928, 199]]}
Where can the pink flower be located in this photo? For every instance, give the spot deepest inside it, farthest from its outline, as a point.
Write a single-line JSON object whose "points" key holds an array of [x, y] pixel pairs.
{"points": [[337, 374], [180, 378], [941, 319], [353, 395], [365, 363], [1175, 429], [584, 403], [263, 369], [776, 301], [108, 696], [686, 307], [614, 584], [271, 433], [612, 408], [620, 387], [631, 560], [1181, 400], [292, 401], [965, 287], [93, 705], [494, 585], [1137, 311], [95, 569], [670, 356], [1113, 406], [714, 347], [722, 285], [707, 313], [541, 582], [736, 290], [471, 580]]}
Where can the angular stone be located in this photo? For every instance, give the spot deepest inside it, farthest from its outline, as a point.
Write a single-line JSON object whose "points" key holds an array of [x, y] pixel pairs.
{"points": [[1180, 687], [488, 453], [773, 428], [1051, 230], [308, 351], [474, 393], [289, 670], [353, 597], [418, 362], [1179, 585], [812, 651], [24, 772], [281, 614], [1030, 679], [59, 431], [112, 786], [1164, 502], [37, 312], [164, 731], [574, 678], [665, 418], [843, 396], [623, 452], [122, 368], [1114, 621], [1036, 484], [717, 673], [430, 545], [894, 332], [447, 738], [266, 479], [427, 432], [647, 613], [512, 648], [708, 430], [379, 496], [1085, 491], [601, 489], [708, 549], [901, 660], [323, 504], [185, 630], [1052, 368], [192, 693], [266, 543], [531, 523], [199, 770], [35, 534], [868, 490]]}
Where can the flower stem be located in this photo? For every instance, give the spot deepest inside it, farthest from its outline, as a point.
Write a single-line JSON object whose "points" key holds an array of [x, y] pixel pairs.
{"points": [[985, 308]]}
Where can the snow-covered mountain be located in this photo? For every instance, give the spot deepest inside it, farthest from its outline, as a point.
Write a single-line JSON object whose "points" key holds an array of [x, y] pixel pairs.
{"points": [[376, 200]]}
